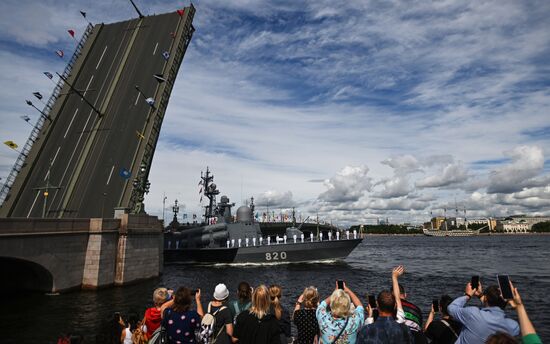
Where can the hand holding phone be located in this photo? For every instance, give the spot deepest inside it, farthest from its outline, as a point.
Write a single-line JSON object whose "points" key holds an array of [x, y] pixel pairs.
{"points": [[505, 288], [340, 284], [475, 282], [372, 301], [435, 305]]}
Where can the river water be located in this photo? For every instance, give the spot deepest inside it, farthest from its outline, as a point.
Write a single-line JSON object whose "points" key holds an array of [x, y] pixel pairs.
{"points": [[434, 266]]}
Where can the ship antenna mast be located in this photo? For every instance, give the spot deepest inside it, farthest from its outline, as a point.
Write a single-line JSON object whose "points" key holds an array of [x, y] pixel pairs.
{"points": [[210, 191]]}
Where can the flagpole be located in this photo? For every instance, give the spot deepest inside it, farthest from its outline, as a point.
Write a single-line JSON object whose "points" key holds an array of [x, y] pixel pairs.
{"points": [[137, 10], [84, 15]]}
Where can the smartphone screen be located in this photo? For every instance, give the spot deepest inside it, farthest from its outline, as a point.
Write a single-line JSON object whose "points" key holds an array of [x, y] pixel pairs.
{"points": [[340, 284], [435, 303], [475, 282], [504, 285], [372, 301]]}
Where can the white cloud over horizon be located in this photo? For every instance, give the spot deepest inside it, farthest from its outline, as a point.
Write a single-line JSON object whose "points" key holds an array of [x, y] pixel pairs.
{"points": [[398, 108]]}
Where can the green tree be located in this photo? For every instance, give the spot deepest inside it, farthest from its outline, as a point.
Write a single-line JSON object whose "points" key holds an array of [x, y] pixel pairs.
{"points": [[541, 227]]}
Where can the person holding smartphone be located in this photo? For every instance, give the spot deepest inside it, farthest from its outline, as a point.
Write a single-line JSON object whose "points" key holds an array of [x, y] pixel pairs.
{"points": [[444, 330], [338, 324], [528, 333], [304, 317], [478, 324]]}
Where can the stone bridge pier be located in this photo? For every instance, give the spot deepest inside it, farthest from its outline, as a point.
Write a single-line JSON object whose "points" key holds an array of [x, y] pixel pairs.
{"points": [[54, 255]]}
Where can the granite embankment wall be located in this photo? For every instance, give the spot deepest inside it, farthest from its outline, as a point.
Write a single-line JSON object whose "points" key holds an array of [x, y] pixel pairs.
{"points": [[61, 254]]}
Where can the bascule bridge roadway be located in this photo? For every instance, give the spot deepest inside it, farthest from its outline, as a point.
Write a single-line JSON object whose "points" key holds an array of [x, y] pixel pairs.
{"points": [[88, 150]]}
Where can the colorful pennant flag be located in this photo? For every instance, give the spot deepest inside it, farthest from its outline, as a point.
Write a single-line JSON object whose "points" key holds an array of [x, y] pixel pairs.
{"points": [[83, 14], [37, 95], [60, 53], [11, 144], [71, 32], [166, 55], [124, 173], [49, 75], [181, 12]]}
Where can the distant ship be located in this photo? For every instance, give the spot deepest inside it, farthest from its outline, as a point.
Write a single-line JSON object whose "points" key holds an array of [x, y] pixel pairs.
{"points": [[241, 240], [453, 233]]}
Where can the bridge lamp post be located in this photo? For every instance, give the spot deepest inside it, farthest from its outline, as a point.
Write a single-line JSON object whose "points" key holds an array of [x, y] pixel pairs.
{"points": [[141, 186], [148, 100], [176, 209], [163, 209], [29, 103]]}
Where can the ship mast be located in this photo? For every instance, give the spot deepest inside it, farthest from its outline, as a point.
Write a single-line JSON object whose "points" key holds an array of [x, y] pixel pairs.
{"points": [[210, 191]]}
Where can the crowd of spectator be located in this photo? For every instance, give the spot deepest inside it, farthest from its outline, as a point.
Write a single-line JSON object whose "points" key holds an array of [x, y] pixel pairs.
{"points": [[257, 316]]}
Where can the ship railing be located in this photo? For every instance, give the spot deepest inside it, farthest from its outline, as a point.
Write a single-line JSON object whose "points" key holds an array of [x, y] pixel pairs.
{"points": [[247, 242]]}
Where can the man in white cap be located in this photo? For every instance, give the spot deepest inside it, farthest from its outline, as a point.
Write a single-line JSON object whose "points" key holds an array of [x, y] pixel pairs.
{"points": [[222, 314]]}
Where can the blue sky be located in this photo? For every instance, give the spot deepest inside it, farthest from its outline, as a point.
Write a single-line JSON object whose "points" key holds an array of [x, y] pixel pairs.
{"points": [[358, 110]]}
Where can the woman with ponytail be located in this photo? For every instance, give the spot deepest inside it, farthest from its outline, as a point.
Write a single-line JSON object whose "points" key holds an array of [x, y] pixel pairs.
{"points": [[282, 315], [257, 325]]}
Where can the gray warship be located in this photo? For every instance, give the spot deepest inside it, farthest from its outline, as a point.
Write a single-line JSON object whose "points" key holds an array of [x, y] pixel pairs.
{"points": [[225, 239]]}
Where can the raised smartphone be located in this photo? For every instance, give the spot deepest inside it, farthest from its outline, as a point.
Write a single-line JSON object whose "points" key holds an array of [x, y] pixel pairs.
{"points": [[505, 288], [475, 282], [372, 301], [340, 284], [435, 304]]}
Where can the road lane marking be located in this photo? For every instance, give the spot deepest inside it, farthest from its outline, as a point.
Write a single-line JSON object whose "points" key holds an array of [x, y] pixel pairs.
{"points": [[101, 58], [33, 203], [137, 98], [55, 156], [69, 127], [87, 87], [53, 160], [156, 46], [110, 174], [72, 156]]}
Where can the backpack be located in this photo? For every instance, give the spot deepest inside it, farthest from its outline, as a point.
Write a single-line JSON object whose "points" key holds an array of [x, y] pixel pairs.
{"points": [[139, 337], [208, 323], [160, 336], [238, 309]]}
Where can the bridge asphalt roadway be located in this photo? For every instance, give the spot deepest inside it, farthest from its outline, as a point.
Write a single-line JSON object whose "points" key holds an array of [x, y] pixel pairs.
{"points": [[87, 151]]}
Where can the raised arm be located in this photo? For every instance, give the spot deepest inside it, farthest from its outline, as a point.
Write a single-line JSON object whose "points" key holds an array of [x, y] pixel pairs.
{"points": [[456, 308], [167, 304], [199, 304], [353, 297], [430, 318], [396, 272], [525, 324]]}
